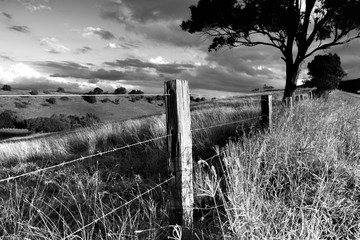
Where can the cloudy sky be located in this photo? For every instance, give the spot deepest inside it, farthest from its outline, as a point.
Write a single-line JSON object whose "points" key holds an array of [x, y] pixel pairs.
{"points": [[137, 44]]}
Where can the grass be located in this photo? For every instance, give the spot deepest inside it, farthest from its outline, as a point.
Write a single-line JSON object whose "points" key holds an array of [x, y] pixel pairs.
{"points": [[298, 181]]}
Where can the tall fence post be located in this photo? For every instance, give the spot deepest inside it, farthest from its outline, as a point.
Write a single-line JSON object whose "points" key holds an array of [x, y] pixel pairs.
{"points": [[179, 146], [266, 110]]}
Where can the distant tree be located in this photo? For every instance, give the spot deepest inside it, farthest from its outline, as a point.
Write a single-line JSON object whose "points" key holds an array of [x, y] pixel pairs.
{"points": [[98, 90], [267, 87], [6, 88], [136, 92], [290, 26], [255, 90], [60, 89], [34, 92], [51, 100], [326, 72], [89, 98], [120, 90]]}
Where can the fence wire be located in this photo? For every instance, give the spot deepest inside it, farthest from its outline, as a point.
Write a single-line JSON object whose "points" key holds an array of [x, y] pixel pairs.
{"points": [[81, 159], [116, 209], [224, 124], [83, 95]]}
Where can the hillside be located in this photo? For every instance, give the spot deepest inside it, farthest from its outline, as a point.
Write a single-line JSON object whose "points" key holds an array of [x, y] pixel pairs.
{"points": [[36, 106]]}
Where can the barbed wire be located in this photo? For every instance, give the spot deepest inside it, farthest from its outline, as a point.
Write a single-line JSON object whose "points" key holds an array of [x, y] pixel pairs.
{"points": [[81, 159], [115, 209], [224, 124], [83, 95]]}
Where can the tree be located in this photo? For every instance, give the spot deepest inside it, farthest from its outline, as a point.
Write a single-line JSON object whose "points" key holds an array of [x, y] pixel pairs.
{"points": [[6, 88], [98, 90], [120, 90], [60, 89], [326, 72], [297, 28]]}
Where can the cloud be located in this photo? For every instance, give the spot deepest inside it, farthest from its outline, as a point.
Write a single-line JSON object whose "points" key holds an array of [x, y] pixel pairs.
{"points": [[142, 11], [23, 29], [53, 45], [8, 15], [7, 58], [35, 5], [83, 50], [98, 32], [75, 70], [169, 68]]}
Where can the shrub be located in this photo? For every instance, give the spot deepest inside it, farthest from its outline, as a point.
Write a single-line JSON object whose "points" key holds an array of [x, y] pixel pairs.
{"points": [[51, 100], [46, 92], [90, 99], [21, 104], [6, 88], [160, 97], [8, 119], [120, 90], [55, 123], [60, 89], [34, 92], [150, 99], [105, 100], [65, 99]]}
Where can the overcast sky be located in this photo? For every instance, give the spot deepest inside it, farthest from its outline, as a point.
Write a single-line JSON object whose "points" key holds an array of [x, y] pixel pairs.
{"points": [[137, 44]]}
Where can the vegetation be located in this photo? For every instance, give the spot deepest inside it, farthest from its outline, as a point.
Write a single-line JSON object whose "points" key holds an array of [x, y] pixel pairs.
{"points": [[120, 90], [290, 26], [51, 100], [298, 181], [9, 119], [60, 89], [326, 72], [6, 87], [89, 99], [34, 92]]}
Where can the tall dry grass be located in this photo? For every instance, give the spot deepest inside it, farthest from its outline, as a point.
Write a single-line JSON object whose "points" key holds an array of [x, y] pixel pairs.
{"points": [[301, 180]]}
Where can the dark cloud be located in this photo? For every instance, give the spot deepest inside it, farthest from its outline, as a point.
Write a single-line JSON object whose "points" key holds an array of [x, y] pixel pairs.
{"points": [[83, 50], [23, 29], [144, 10], [169, 68], [8, 15], [75, 70], [6, 58]]}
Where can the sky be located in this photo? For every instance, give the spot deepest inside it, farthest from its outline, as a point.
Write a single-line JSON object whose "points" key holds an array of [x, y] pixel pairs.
{"points": [[136, 44]]}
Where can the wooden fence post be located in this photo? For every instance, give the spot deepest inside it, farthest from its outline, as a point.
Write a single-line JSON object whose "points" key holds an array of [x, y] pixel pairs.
{"points": [[179, 146], [266, 110]]}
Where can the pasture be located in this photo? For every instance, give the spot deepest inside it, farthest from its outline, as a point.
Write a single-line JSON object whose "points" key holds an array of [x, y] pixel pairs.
{"points": [[300, 180]]}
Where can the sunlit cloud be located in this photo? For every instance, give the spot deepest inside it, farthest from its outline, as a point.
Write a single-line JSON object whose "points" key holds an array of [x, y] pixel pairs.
{"points": [[53, 45], [97, 32]]}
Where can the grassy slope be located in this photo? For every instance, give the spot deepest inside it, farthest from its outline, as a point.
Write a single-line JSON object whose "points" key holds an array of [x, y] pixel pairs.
{"points": [[299, 181], [77, 106]]}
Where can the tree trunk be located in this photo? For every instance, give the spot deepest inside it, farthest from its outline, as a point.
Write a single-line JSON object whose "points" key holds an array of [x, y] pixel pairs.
{"points": [[292, 72]]}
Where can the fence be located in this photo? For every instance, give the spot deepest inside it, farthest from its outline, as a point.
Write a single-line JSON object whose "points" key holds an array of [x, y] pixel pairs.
{"points": [[179, 149]]}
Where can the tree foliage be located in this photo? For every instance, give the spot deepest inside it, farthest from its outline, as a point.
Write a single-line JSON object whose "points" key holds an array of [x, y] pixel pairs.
{"points": [[326, 72], [120, 90], [297, 28]]}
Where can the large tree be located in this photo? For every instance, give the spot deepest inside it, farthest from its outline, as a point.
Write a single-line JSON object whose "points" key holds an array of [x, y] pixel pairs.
{"points": [[297, 28]]}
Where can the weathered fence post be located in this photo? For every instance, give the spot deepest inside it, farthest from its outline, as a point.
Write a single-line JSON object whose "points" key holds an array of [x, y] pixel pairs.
{"points": [[179, 146], [266, 110]]}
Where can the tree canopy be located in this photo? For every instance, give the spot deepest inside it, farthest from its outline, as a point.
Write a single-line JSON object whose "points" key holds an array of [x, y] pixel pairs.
{"points": [[326, 72], [297, 28]]}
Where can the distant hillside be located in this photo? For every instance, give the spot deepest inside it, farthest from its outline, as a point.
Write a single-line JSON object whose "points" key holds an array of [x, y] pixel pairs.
{"points": [[350, 85]]}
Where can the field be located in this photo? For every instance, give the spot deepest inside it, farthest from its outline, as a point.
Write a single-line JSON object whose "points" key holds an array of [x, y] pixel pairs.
{"points": [[298, 180]]}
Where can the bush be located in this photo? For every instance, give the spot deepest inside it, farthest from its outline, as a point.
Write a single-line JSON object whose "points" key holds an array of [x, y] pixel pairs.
{"points": [[150, 99], [90, 99], [8, 119], [55, 123], [34, 92], [51, 100], [21, 104], [84, 121], [105, 100], [65, 99], [60, 89], [46, 92], [120, 90], [6, 88]]}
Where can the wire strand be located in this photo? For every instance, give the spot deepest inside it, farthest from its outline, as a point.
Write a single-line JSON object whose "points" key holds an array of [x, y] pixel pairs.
{"points": [[80, 159], [84, 95], [114, 210], [224, 124]]}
